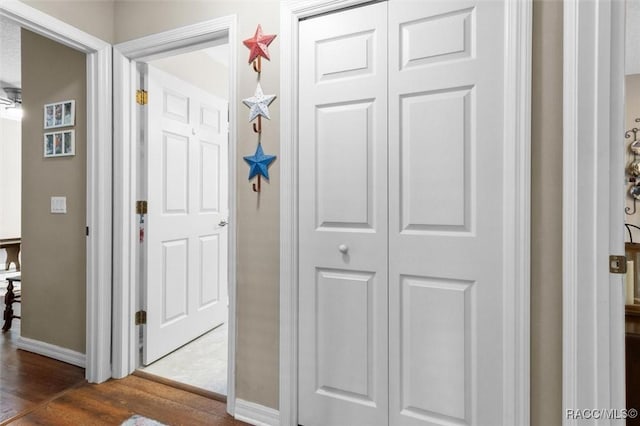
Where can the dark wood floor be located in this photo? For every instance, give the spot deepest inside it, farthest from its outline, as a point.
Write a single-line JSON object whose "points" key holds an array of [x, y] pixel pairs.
{"points": [[35, 390]]}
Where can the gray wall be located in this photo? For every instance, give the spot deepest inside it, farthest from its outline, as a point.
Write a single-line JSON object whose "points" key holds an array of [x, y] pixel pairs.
{"points": [[53, 245], [258, 238]]}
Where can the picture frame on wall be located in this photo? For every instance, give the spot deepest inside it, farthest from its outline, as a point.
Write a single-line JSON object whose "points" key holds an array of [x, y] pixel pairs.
{"points": [[60, 114], [59, 144]]}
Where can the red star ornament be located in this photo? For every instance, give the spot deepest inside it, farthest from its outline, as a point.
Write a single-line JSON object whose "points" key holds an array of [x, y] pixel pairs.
{"points": [[258, 44]]}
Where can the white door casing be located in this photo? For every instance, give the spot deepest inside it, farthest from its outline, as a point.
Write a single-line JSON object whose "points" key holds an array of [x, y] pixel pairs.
{"points": [[186, 247], [593, 209], [473, 221], [343, 218]]}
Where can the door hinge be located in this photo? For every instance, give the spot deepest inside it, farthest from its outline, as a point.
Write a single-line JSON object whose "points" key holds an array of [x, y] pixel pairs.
{"points": [[141, 317], [617, 264], [141, 207], [142, 97]]}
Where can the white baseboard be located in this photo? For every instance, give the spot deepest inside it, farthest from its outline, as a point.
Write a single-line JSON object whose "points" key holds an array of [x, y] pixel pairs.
{"points": [[52, 351], [256, 414]]}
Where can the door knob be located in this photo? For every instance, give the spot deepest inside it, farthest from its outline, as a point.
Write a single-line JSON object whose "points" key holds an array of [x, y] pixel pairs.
{"points": [[343, 248], [223, 223]]}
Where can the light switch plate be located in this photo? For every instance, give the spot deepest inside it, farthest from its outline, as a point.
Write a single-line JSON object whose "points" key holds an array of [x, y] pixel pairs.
{"points": [[59, 205]]}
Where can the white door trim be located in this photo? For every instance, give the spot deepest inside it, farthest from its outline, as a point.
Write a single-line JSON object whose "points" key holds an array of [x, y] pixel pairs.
{"points": [[593, 200], [99, 149], [517, 201], [125, 344]]}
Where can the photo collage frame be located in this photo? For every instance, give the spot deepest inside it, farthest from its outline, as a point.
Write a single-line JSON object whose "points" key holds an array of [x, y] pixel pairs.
{"points": [[57, 144], [61, 142]]}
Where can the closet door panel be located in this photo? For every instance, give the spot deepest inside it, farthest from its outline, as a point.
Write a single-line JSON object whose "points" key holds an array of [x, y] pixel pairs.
{"points": [[434, 145], [446, 123], [344, 149], [435, 346], [343, 236]]}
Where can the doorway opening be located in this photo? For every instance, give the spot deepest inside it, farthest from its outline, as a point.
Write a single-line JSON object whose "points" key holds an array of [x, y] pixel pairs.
{"points": [[44, 192], [95, 237], [10, 170], [184, 175], [131, 63]]}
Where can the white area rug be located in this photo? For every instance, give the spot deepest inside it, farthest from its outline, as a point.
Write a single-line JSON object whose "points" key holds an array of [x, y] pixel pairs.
{"points": [[137, 420]]}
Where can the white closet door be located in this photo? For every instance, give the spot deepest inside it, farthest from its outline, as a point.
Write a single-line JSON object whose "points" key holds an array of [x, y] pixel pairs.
{"points": [[446, 212], [343, 349]]}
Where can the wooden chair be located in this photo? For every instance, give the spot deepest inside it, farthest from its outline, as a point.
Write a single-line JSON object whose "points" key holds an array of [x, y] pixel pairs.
{"points": [[9, 299]]}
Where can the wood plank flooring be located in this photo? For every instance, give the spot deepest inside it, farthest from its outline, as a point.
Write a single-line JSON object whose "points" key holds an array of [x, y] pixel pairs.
{"points": [[36, 390], [27, 379]]}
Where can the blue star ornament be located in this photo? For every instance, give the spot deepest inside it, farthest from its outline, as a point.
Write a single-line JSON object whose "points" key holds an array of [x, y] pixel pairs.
{"points": [[259, 163], [258, 104]]}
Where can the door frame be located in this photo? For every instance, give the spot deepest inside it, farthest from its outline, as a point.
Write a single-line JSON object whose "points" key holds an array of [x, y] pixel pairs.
{"points": [[517, 199], [593, 202], [99, 148], [126, 56]]}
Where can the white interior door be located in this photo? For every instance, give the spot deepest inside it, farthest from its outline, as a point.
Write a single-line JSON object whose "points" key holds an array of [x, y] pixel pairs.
{"points": [[343, 219], [401, 295], [187, 193]]}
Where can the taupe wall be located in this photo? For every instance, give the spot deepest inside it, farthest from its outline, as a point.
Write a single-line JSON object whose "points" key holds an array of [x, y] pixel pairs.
{"points": [[258, 219], [92, 16], [53, 245], [546, 215], [257, 357]]}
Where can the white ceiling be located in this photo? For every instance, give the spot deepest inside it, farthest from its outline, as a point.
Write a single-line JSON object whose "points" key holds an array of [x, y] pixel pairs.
{"points": [[9, 54]]}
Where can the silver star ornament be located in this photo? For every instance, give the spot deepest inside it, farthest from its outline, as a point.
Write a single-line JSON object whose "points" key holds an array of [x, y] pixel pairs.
{"points": [[258, 104]]}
